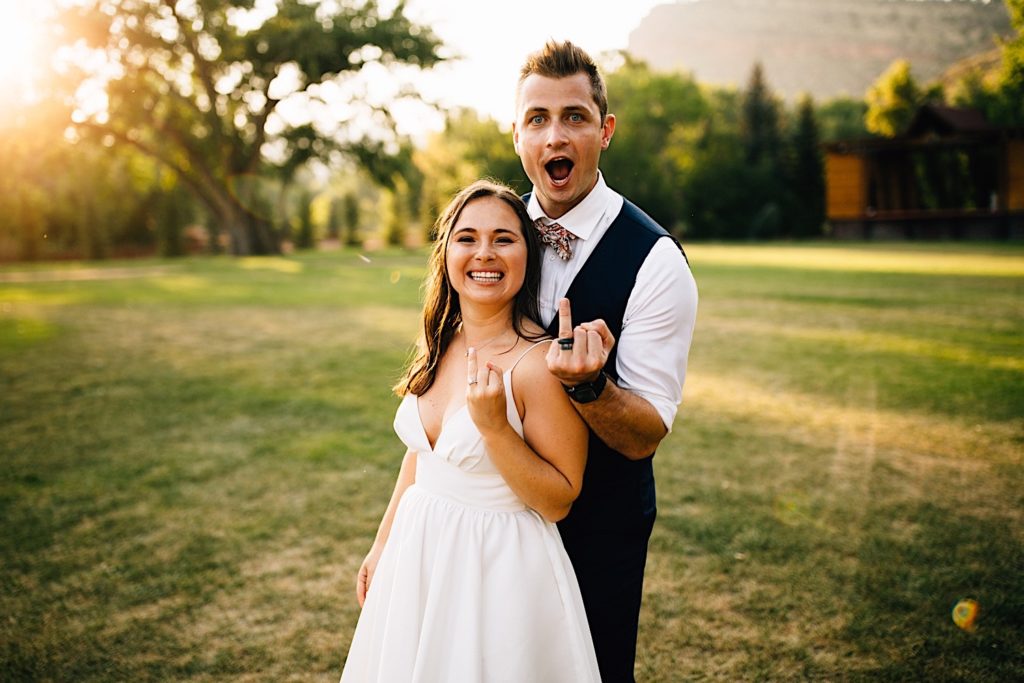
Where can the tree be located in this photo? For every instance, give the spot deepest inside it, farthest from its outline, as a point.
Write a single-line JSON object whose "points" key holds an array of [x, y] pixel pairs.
{"points": [[1008, 106], [30, 153], [334, 219], [469, 147], [199, 85], [760, 123], [841, 118], [658, 116], [996, 87], [304, 234], [173, 212], [894, 98], [806, 175], [350, 216], [396, 215]]}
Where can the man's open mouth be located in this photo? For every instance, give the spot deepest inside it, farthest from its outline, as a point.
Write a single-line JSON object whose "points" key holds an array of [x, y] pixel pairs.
{"points": [[559, 170]]}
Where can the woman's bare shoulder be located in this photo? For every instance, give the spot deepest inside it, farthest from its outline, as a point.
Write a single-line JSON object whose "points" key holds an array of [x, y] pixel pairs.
{"points": [[533, 367]]}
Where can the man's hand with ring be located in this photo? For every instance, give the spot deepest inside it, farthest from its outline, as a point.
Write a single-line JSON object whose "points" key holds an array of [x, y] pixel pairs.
{"points": [[580, 353]]}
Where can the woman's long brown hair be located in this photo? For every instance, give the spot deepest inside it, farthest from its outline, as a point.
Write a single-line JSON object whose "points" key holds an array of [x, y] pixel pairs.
{"points": [[442, 314]]}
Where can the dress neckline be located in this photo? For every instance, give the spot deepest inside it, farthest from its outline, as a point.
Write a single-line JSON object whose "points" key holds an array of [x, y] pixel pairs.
{"points": [[444, 423], [509, 396]]}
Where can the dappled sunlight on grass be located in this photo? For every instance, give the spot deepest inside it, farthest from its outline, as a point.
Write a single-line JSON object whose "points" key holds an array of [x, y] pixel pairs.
{"points": [[18, 295], [921, 439], [278, 264], [81, 272], [20, 332], [869, 342], [852, 259], [182, 283]]}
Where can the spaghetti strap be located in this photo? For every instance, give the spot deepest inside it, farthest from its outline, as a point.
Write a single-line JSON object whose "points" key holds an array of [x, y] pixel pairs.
{"points": [[509, 394], [523, 354]]}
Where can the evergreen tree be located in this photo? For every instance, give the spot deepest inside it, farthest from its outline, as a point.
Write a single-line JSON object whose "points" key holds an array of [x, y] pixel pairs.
{"points": [[304, 237], [396, 221], [806, 174], [350, 214], [762, 209], [760, 122]]}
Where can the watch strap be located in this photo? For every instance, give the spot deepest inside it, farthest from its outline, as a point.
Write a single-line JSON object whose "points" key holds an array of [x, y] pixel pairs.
{"points": [[586, 392]]}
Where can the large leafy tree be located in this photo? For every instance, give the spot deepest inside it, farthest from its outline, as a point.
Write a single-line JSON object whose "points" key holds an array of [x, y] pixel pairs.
{"points": [[997, 89], [894, 98], [220, 93], [470, 146], [1006, 103], [658, 116]]}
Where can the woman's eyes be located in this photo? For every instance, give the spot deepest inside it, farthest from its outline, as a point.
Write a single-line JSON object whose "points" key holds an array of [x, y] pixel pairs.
{"points": [[471, 240]]}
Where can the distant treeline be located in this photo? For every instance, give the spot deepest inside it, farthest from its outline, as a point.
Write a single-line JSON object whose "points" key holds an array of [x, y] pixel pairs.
{"points": [[709, 163]]}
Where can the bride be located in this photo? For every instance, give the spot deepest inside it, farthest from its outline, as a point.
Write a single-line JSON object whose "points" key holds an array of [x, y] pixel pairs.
{"points": [[467, 579]]}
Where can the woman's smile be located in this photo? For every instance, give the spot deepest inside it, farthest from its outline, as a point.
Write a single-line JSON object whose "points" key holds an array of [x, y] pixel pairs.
{"points": [[486, 276]]}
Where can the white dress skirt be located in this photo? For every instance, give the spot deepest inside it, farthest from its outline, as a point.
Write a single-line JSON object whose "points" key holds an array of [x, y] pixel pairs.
{"points": [[472, 585]]}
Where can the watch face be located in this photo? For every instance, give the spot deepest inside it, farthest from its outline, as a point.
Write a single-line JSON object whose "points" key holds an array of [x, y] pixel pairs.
{"points": [[588, 391], [585, 394]]}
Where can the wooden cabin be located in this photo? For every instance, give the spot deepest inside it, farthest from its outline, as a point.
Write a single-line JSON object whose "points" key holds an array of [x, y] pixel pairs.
{"points": [[951, 175]]}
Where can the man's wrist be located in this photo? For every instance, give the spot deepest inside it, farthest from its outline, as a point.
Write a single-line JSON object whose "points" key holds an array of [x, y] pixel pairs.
{"points": [[587, 392]]}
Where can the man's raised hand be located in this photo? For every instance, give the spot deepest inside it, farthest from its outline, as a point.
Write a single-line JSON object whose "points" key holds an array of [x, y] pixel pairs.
{"points": [[586, 356]]}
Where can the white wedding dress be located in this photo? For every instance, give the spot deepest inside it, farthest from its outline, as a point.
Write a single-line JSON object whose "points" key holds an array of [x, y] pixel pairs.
{"points": [[472, 586]]}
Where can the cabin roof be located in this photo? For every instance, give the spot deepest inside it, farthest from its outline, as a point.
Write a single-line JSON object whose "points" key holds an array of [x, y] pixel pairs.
{"points": [[933, 125]]}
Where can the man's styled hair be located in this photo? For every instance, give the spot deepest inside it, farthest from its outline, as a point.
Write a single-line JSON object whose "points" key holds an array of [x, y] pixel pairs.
{"points": [[561, 60]]}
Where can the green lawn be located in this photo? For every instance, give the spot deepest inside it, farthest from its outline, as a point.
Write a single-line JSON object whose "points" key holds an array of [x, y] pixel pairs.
{"points": [[196, 454]]}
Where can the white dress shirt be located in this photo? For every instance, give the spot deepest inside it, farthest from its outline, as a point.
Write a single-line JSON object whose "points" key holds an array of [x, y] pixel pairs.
{"points": [[658, 324]]}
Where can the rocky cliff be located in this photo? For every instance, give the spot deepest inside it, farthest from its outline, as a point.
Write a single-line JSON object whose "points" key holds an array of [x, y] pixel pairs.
{"points": [[824, 47]]}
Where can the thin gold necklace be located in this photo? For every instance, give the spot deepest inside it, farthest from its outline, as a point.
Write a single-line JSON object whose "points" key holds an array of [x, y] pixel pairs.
{"points": [[480, 346]]}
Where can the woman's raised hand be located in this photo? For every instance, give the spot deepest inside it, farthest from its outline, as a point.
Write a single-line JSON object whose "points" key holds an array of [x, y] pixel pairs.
{"points": [[485, 394]]}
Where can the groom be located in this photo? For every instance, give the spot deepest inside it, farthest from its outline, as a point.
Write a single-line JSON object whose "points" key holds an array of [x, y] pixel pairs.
{"points": [[626, 283]]}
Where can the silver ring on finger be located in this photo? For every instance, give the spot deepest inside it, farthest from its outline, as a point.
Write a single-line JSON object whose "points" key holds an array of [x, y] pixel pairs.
{"points": [[474, 381]]}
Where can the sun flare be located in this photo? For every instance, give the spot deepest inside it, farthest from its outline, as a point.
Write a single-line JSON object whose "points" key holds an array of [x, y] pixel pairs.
{"points": [[20, 49]]}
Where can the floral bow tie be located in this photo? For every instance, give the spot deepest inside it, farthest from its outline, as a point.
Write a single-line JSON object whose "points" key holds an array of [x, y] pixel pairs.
{"points": [[556, 236]]}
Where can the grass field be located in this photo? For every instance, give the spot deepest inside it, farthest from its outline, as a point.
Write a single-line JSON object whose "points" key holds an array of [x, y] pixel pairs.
{"points": [[196, 454]]}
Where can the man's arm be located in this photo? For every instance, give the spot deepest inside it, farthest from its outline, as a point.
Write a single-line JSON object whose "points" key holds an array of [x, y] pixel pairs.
{"points": [[623, 420], [635, 414], [626, 422]]}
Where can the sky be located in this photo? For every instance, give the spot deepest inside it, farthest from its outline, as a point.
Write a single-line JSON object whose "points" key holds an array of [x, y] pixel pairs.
{"points": [[487, 41], [495, 37]]}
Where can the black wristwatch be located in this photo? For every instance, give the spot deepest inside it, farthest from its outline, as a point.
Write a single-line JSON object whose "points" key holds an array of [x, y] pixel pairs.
{"points": [[586, 392]]}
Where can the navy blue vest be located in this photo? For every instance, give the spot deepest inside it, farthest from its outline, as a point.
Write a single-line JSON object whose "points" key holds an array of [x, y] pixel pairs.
{"points": [[618, 493]]}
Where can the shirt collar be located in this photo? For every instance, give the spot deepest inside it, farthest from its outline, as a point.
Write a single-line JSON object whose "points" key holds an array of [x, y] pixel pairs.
{"points": [[581, 219]]}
